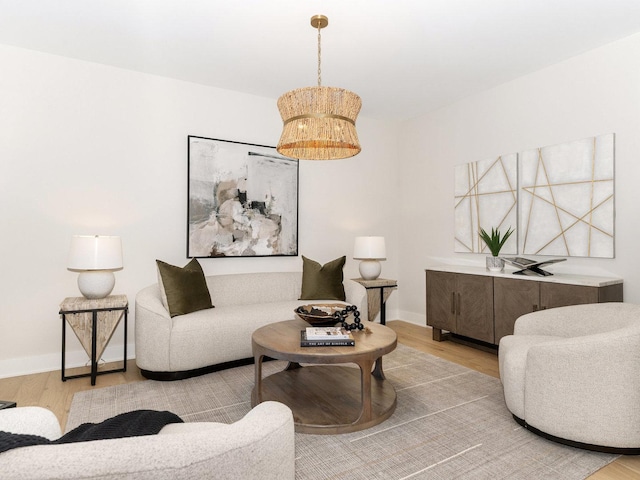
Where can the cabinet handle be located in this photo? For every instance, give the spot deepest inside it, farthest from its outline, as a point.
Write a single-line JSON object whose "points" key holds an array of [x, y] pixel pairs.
{"points": [[458, 304], [453, 303]]}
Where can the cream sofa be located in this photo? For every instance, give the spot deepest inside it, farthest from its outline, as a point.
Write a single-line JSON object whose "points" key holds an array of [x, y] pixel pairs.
{"points": [[571, 374], [200, 342], [260, 446]]}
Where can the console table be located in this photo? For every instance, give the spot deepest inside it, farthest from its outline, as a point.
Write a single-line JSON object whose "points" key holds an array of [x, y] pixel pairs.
{"points": [[378, 291], [474, 303], [94, 321]]}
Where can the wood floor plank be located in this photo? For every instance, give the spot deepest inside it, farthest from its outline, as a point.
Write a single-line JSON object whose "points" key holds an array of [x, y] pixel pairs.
{"points": [[9, 388], [632, 462], [47, 389], [419, 337], [615, 471]]}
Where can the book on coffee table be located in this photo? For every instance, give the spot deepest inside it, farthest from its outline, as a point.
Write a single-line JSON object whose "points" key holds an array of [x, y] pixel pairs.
{"points": [[327, 333], [334, 342]]}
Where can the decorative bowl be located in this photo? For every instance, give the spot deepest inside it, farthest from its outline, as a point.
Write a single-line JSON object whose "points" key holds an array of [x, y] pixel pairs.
{"points": [[320, 314]]}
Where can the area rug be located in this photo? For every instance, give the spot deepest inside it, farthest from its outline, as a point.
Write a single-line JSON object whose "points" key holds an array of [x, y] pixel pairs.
{"points": [[450, 423]]}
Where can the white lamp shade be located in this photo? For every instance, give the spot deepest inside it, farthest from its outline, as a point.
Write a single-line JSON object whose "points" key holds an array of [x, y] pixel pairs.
{"points": [[95, 252], [369, 248]]}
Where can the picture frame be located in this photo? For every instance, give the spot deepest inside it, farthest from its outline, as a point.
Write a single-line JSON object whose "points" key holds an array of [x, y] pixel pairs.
{"points": [[242, 200], [567, 199], [486, 197]]}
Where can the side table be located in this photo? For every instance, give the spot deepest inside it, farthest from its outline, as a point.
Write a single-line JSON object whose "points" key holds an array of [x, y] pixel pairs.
{"points": [[94, 321], [378, 292]]}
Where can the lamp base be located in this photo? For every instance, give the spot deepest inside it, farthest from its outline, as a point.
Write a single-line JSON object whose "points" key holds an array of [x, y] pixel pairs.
{"points": [[370, 269], [96, 284]]}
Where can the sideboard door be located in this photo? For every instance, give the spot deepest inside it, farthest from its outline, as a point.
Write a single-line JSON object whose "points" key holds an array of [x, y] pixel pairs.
{"points": [[559, 295], [441, 287], [475, 307], [513, 298]]}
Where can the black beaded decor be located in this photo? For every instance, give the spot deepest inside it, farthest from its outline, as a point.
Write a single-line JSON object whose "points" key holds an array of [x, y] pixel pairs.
{"points": [[341, 316]]}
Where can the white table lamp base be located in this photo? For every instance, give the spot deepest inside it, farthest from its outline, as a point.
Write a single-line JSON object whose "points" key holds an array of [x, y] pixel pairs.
{"points": [[96, 283], [370, 269]]}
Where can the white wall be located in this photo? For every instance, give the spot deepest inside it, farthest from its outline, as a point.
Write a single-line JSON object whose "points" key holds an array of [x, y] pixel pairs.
{"points": [[91, 149], [86, 148], [595, 93]]}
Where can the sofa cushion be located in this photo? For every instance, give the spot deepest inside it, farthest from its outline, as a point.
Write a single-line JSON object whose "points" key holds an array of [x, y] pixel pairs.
{"points": [[322, 281], [184, 290]]}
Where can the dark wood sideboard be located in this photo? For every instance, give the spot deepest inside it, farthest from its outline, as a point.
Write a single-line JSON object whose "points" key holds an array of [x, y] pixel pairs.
{"points": [[474, 303]]}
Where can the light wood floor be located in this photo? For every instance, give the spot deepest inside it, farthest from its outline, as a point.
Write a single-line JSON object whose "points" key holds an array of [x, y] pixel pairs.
{"points": [[47, 389]]}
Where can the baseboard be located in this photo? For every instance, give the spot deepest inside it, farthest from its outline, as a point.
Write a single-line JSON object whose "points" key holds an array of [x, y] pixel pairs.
{"points": [[410, 317], [15, 367]]}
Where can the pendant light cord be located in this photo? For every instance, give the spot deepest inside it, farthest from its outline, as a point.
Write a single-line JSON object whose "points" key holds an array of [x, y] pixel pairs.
{"points": [[319, 55]]}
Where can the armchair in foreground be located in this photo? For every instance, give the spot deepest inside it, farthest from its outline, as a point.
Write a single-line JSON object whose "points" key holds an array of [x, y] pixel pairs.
{"points": [[570, 374]]}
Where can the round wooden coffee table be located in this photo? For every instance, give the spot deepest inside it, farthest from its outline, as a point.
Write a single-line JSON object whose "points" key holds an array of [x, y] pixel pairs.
{"points": [[325, 397]]}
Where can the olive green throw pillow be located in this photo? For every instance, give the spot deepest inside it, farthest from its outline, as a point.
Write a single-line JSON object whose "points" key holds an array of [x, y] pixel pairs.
{"points": [[322, 282], [185, 288]]}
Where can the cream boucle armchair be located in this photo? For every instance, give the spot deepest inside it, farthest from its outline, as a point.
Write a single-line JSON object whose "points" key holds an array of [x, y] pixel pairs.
{"points": [[259, 446], [572, 374]]}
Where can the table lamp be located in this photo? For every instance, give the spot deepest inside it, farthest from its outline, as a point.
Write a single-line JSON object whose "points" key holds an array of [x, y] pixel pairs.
{"points": [[96, 257], [370, 250]]}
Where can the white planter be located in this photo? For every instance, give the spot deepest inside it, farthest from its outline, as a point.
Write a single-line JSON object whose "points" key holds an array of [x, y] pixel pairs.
{"points": [[495, 264]]}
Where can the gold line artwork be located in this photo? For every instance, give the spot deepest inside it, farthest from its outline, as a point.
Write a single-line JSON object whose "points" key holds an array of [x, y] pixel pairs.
{"points": [[485, 197], [593, 165], [559, 198], [567, 199]]}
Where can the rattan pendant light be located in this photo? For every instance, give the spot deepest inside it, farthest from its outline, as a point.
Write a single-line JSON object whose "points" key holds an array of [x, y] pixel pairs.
{"points": [[319, 122]]}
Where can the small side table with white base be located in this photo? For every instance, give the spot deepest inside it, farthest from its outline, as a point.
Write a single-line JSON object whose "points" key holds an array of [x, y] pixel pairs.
{"points": [[378, 291], [94, 321]]}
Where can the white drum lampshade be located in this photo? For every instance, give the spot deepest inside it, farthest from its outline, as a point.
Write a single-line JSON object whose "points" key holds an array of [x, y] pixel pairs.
{"points": [[96, 257], [370, 250]]}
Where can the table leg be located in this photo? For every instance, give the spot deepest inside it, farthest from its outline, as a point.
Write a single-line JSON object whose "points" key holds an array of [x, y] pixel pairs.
{"points": [[436, 334], [383, 309], [124, 367], [377, 369], [365, 391], [94, 360], [64, 338], [257, 388], [293, 366]]}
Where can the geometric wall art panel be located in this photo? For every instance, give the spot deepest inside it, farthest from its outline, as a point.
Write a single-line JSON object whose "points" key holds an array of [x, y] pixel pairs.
{"points": [[486, 197], [566, 199]]}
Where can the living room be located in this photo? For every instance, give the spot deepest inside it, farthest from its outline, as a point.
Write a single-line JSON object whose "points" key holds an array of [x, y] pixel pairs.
{"points": [[89, 148]]}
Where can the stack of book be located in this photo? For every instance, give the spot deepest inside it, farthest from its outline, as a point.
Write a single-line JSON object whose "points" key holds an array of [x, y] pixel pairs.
{"points": [[326, 337]]}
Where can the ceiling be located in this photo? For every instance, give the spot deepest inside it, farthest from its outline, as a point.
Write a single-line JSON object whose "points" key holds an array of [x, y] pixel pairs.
{"points": [[403, 57]]}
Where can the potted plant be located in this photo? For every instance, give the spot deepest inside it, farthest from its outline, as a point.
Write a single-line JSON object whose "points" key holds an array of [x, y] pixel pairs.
{"points": [[495, 242]]}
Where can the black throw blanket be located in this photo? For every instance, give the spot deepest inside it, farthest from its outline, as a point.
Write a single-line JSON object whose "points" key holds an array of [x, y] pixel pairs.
{"points": [[130, 424]]}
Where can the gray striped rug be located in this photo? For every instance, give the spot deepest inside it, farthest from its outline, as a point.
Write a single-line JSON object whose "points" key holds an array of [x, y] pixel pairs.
{"points": [[451, 422]]}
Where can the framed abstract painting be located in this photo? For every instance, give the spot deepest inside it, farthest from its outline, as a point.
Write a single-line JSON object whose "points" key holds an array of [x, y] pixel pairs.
{"points": [[242, 200]]}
